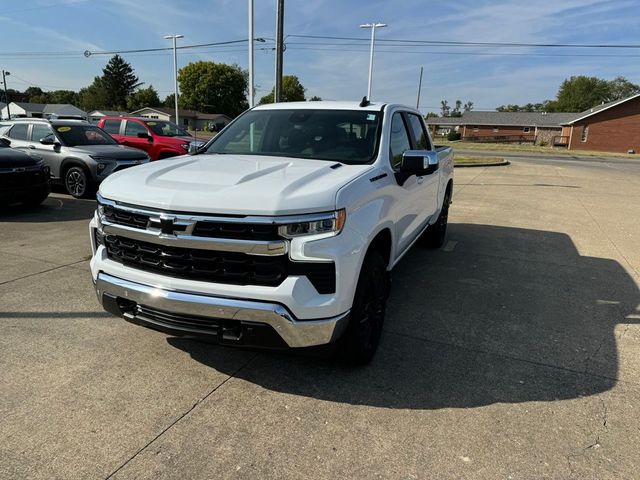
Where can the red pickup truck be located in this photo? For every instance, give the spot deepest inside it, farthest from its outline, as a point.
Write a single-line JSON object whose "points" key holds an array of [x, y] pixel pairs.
{"points": [[159, 138]]}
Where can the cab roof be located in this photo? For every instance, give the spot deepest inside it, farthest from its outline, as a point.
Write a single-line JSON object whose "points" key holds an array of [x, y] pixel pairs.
{"points": [[321, 105]]}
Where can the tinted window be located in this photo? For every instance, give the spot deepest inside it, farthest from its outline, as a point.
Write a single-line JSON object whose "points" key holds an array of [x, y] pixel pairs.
{"points": [[19, 131], [112, 126], [40, 131], [132, 129], [419, 133], [166, 129], [399, 141], [347, 136], [74, 135]]}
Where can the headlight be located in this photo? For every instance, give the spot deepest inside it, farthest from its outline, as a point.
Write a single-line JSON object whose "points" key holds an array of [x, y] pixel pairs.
{"points": [[185, 146], [316, 224]]}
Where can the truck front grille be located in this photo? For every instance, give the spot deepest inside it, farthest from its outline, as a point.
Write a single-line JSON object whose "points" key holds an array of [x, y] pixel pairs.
{"points": [[217, 266]]}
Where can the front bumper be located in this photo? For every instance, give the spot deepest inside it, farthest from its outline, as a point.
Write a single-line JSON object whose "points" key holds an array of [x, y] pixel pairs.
{"points": [[227, 320]]}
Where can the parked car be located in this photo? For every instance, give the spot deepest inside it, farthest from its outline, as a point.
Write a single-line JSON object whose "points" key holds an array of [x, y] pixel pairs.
{"points": [[23, 178], [159, 138], [282, 232], [79, 154]]}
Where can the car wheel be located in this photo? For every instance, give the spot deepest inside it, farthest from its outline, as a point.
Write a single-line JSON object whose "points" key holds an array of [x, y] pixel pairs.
{"points": [[77, 183], [436, 233], [360, 341]]}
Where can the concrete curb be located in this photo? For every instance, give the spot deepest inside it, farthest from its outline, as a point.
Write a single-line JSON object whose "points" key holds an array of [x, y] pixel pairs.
{"points": [[472, 165]]}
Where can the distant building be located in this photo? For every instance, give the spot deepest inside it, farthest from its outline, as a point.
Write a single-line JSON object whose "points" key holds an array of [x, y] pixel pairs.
{"points": [[610, 127], [188, 118], [40, 110], [96, 115], [535, 127]]}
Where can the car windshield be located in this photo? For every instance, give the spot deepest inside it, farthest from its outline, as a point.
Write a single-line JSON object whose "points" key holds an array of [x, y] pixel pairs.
{"points": [[167, 129], [347, 136], [77, 135]]}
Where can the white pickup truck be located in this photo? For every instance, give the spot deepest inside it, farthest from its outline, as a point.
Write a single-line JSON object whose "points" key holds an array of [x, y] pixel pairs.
{"points": [[281, 232]]}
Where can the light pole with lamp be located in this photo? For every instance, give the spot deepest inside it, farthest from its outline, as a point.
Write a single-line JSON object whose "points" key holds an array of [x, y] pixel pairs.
{"points": [[373, 27], [175, 71]]}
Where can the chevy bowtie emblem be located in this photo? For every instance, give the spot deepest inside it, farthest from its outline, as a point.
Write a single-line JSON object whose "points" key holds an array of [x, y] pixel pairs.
{"points": [[168, 225]]}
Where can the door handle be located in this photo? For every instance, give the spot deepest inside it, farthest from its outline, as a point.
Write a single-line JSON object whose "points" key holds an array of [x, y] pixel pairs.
{"points": [[419, 180]]}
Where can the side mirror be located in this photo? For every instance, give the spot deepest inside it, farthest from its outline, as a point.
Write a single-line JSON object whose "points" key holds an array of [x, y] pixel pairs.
{"points": [[419, 162], [145, 135], [48, 140], [5, 141]]}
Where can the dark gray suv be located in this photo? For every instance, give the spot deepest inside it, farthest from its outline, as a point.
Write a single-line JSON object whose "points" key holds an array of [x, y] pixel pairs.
{"points": [[79, 154]]}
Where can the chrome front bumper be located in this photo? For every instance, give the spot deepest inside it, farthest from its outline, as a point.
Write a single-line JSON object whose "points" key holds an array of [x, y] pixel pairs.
{"points": [[113, 291]]}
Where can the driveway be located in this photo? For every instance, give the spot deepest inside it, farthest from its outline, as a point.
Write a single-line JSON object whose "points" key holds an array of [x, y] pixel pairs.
{"points": [[513, 352]]}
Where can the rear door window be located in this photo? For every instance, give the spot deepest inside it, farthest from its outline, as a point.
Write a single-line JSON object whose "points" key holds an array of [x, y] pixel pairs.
{"points": [[132, 129], [112, 127], [38, 132], [19, 131]]}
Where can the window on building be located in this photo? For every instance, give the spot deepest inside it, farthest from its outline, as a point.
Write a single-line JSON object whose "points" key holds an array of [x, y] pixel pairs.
{"points": [[476, 129], [496, 129], [585, 133], [526, 130]]}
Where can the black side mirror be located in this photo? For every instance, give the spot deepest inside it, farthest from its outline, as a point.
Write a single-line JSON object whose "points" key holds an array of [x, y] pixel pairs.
{"points": [[5, 141], [49, 140], [145, 135], [419, 162]]}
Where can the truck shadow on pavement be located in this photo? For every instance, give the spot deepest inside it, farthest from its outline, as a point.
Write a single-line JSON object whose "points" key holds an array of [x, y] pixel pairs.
{"points": [[59, 208], [500, 315]]}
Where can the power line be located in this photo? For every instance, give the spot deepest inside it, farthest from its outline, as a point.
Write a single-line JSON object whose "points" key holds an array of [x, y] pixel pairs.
{"points": [[472, 44]]}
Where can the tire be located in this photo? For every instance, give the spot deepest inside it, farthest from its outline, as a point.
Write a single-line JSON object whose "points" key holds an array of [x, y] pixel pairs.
{"points": [[436, 233], [77, 182], [360, 341]]}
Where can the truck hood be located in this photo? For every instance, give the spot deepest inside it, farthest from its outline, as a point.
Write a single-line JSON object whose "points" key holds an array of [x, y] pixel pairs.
{"points": [[233, 184], [117, 152]]}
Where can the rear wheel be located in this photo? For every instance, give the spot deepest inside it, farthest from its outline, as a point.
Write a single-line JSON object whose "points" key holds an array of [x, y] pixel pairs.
{"points": [[77, 183], [360, 341], [436, 233]]}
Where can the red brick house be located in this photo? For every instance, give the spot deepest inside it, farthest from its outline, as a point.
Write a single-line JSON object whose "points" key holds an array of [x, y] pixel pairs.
{"points": [[610, 127]]}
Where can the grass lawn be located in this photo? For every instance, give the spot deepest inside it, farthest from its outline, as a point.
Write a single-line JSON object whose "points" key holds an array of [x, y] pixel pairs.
{"points": [[528, 148], [200, 135], [465, 160]]}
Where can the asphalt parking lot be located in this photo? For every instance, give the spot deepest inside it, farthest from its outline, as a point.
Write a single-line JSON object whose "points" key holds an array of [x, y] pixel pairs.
{"points": [[514, 352]]}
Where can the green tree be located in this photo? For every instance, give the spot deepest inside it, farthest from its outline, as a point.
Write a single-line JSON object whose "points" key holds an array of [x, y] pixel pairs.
{"points": [[621, 88], [119, 81], [33, 92], [93, 97], [144, 97], [63, 96], [445, 109], [169, 101], [579, 93], [213, 88], [432, 115], [292, 91], [315, 98], [468, 106]]}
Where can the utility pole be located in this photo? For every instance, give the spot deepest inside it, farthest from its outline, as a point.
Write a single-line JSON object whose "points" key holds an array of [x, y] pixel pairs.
{"points": [[419, 89], [6, 95], [175, 72], [277, 94], [373, 27], [251, 99]]}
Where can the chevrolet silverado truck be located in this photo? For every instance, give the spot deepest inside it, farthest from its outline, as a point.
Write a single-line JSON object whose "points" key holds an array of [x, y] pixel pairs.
{"points": [[281, 232]]}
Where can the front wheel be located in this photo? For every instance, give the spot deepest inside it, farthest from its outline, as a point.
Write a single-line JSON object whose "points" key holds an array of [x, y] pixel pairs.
{"points": [[77, 182], [360, 341]]}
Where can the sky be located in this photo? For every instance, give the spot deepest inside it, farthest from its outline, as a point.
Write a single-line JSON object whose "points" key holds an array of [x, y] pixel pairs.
{"points": [[43, 43]]}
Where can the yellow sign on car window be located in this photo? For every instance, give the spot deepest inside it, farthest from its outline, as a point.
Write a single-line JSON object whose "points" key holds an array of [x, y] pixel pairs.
{"points": [[64, 129]]}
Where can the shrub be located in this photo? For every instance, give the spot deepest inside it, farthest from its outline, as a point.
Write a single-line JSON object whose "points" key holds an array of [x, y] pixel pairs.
{"points": [[452, 136]]}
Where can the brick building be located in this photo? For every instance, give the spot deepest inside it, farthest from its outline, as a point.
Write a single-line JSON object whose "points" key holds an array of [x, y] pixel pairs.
{"points": [[611, 127]]}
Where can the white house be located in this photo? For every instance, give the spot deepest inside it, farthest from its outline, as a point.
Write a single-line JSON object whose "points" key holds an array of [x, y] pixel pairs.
{"points": [[95, 115], [188, 118], [40, 110]]}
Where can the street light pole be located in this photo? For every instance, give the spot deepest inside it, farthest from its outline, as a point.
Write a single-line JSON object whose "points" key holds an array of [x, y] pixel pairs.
{"points": [[373, 27], [277, 90], [175, 72], [6, 95], [251, 99]]}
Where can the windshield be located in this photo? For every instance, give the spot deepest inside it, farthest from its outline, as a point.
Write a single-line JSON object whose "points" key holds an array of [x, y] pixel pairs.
{"points": [[77, 135], [347, 136], [167, 129]]}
